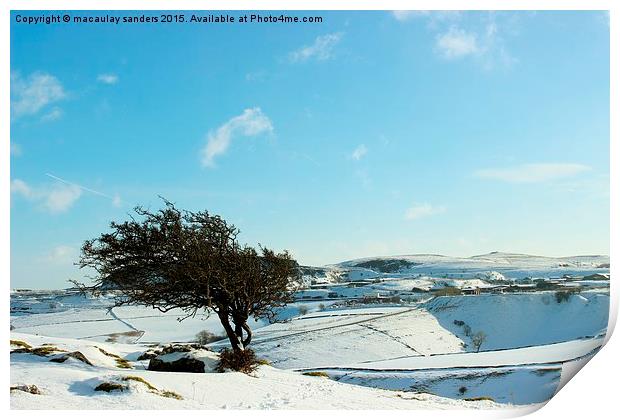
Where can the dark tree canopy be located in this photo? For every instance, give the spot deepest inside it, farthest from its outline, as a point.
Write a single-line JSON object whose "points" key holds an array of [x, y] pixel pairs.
{"points": [[177, 259]]}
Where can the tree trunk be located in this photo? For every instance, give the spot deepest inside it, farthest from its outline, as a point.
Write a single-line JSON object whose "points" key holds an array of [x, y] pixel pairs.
{"points": [[238, 329], [248, 332], [235, 340]]}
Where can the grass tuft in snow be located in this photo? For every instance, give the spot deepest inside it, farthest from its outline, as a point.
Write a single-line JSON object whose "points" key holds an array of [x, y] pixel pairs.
{"points": [[483, 398], [141, 380], [170, 394], [123, 364], [20, 343], [151, 388], [120, 362], [107, 353], [40, 351]]}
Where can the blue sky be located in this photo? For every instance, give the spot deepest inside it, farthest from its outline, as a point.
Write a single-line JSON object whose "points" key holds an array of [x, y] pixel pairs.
{"points": [[372, 133]]}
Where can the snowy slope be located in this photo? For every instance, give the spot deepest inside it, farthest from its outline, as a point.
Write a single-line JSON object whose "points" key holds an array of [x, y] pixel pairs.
{"points": [[354, 335], [517, 320], [70, 385]]}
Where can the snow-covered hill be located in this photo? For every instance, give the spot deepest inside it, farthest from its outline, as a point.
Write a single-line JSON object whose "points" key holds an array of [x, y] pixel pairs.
{"points": [[510, 265]]}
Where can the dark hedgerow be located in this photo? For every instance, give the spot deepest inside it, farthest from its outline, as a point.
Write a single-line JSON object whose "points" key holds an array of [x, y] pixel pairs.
{"points": [[564, 295]]}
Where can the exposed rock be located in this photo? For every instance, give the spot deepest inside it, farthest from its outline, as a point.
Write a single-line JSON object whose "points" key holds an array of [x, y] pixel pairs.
{"points": [[110, 386], [148, 355], [182, 348], [183, 364], [31, 389], [171, 348], [75, 355]]}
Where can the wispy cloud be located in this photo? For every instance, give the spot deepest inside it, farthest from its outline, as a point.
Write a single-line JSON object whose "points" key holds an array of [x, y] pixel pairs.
{"points": [[20, 187], [359, 152], [418, 211], [54, 114], [460, 35], [57, 197], [256, 76], [321, 49], [404, 15], [251, 122], [484, 43], [456, 43], [108, 78], [61, 254], [116, 200], [30, 95], [434, 17], [532, 172], [16, 149]]}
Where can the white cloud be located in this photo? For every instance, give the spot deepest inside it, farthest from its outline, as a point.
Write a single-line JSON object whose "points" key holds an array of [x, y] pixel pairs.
{"points": [[251, 122], [56, 198], [20, 187], [359, 152], [456, 43], [256, 76], [30, 95], [435, 19], [116, 201], [54, 114], [462, 34], [404, 15], [61, 254], [321, 49], [533, 172], [418, 211], [16, 149], [61, 197], [108, 78]]}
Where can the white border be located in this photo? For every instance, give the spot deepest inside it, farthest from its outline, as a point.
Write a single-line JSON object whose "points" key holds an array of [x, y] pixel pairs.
{"points": [[592, 394]]}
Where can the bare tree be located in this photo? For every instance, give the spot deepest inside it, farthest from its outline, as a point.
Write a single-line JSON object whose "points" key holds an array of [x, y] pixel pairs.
{"points": [[173, 259]]}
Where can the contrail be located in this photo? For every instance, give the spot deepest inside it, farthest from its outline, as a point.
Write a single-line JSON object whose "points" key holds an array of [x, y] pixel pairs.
{"points": [[64, 181]]}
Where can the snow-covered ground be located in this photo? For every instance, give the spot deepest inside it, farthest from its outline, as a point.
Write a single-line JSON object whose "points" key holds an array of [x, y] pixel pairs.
{"points": [[71, 385], [351, 326]]}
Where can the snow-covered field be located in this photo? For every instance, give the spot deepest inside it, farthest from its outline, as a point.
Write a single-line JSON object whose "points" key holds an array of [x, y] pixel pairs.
{"points": [[370, 353]]}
